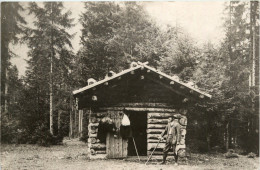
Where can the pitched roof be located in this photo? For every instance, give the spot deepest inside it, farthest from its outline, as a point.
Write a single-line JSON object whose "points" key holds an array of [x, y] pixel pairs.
{"points": [[141, 66]]}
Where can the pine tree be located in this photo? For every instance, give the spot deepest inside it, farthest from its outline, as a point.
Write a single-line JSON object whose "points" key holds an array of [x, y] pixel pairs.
{"points": [[99, 22], [50, 56], [10, 119], [12, 25], [114, 35]]}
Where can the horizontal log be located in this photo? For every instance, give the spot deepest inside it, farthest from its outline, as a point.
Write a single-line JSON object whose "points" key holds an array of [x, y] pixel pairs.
{"points": [[98, 146], [181, 146], [153, 136], [154, 131], [159, 153], [156, 126], [151, 146], [151, 109], [139, 109], [158, 121], [155, 105], [101, 152], [159, 115], [93, 124], [155, 141], [92, 135]]}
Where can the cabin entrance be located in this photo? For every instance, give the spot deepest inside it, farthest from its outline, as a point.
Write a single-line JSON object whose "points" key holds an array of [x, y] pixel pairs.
{"points": [[138, 122]]}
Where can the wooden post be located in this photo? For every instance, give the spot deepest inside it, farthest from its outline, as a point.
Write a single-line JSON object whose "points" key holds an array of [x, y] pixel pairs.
{"points": [[75, 123], [80, 122]]}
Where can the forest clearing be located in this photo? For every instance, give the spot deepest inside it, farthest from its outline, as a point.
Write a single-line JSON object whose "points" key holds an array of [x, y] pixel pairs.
{"points": [[73, 155], [89, 85]]}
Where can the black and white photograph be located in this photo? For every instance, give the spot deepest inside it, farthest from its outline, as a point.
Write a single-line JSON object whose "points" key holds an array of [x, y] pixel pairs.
{"points": [[129, 85]]}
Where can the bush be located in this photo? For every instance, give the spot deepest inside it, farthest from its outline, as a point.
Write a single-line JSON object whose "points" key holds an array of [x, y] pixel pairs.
{"points": [[8, 129], [43, 137]]}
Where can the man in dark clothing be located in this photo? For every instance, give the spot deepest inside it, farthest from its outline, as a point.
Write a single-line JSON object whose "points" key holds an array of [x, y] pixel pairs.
{"points": [[172, 139]]}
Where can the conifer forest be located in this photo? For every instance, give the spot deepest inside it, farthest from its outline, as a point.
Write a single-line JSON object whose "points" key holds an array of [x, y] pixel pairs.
{"points": [[38, 105]]}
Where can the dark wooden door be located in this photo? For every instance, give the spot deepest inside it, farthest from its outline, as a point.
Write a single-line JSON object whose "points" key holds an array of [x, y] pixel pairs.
{"points": [[116, 146]]}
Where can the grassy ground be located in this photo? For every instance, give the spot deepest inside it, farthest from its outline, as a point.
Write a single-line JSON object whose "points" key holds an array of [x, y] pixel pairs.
{"points": [[73, 155]]}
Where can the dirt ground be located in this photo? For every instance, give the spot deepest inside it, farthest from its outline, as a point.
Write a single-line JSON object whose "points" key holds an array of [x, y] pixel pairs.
{"points": [[73, 156]]}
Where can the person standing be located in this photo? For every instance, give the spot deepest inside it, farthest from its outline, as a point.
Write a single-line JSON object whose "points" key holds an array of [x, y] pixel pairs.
{"points": [[172, 131]]}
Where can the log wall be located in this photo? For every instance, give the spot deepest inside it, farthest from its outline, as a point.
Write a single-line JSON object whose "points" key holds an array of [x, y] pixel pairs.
{"points": [[156, 123], [96, 149], [157, 115]]}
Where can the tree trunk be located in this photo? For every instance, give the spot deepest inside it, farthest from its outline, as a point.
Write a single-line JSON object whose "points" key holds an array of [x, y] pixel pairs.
{"points": [[252, 37], [51, 100], [59, 114], [51, 83], [227, 136], [6, 90]]}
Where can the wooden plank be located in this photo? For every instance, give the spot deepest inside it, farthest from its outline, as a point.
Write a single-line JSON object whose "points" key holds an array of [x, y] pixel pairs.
{"points": [[112, 145], [158, 121], [107, 145], [156, 126], [120, 149], [125, 153], [116, 120]]}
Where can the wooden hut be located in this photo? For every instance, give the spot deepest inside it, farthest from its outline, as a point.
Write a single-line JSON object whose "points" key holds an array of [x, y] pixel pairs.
{"points": [[148, 96]]}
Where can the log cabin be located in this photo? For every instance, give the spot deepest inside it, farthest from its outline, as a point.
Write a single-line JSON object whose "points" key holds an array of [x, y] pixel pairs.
{"points": [[148, 96]]}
